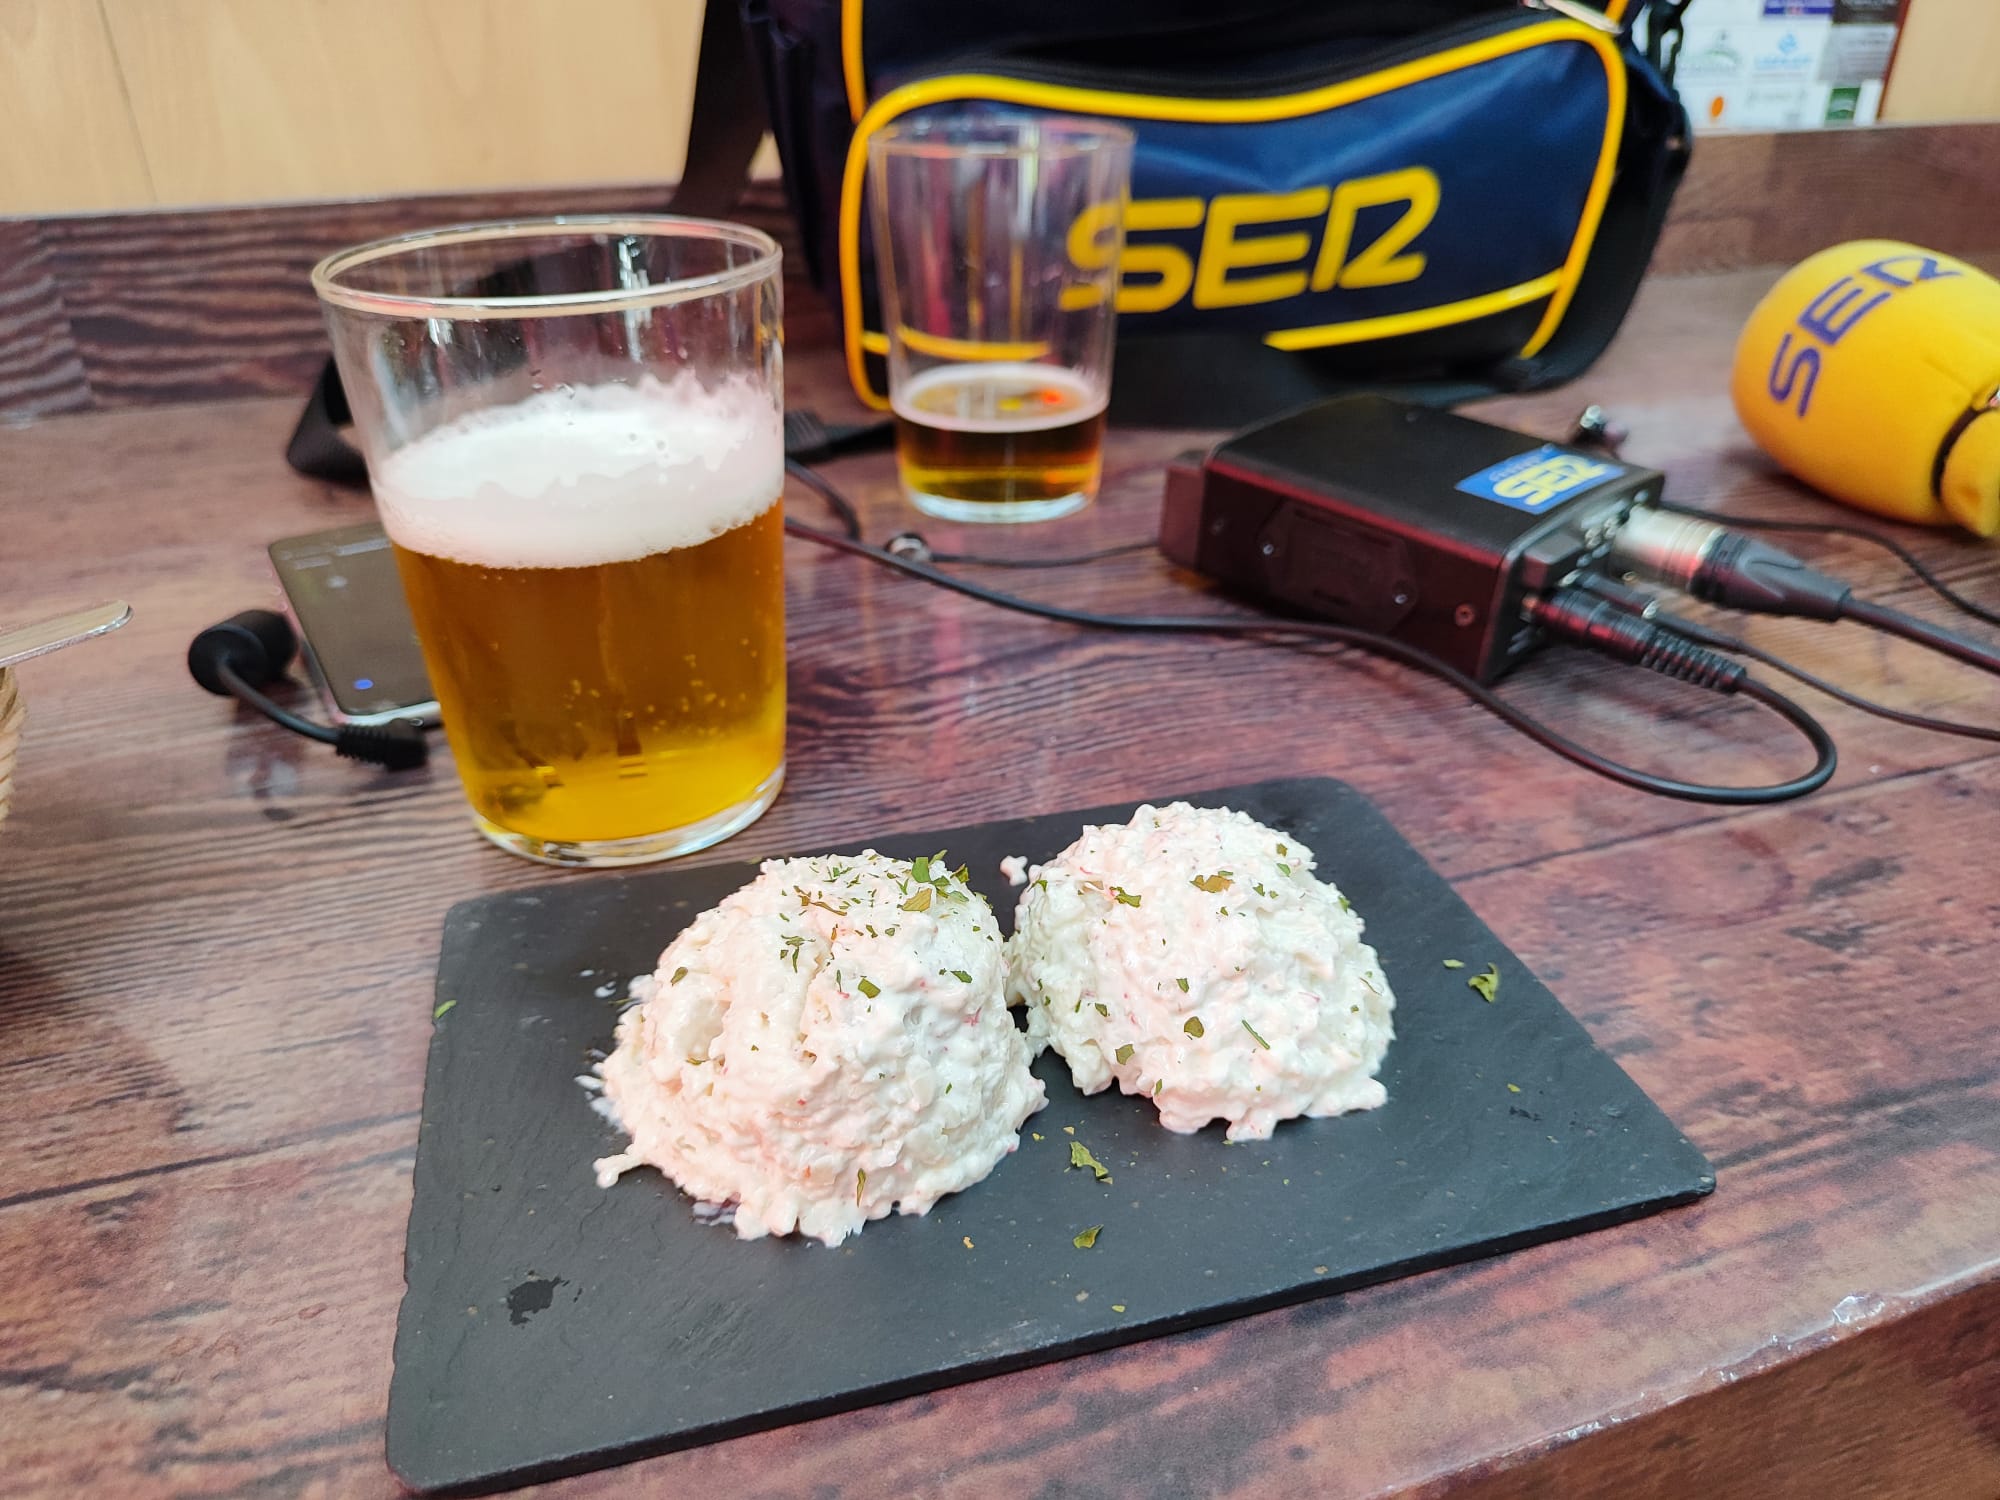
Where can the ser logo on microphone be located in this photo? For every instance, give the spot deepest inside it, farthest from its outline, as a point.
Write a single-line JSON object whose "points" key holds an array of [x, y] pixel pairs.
{"points": [[1832, 315]]}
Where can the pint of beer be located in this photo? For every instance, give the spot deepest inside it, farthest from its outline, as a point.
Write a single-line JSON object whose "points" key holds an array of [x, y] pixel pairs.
{"points": [[997, 241], [589, 532]]}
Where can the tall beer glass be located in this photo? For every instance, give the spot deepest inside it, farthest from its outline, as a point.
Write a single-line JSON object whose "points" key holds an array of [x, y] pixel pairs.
{"points": [[573, 429], [997, 239]]}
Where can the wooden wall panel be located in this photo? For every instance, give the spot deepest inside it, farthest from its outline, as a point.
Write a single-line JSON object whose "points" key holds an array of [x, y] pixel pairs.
{"points": [[265, 100], [131, 103], [160, 307], [1947, 63], [1752, 198], [41, 370], [66, 136]]}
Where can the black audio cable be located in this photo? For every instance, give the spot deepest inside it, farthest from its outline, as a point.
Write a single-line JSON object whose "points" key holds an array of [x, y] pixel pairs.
{"points": [[1594, 428], [1647, 606], [238, 657], [1723, 566], [1572, 616], [909, 544], [1916, 566]]}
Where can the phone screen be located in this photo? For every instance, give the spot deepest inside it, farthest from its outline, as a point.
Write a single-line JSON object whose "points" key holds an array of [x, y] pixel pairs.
{"points": [[348, 600]]}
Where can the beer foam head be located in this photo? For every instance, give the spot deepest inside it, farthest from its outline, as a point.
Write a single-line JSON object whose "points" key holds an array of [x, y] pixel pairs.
{"points": [[593, 474], [1005, 398]]}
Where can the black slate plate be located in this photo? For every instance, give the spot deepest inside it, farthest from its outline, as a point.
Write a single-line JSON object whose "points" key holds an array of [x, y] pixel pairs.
{"points": [[551, 1327]]}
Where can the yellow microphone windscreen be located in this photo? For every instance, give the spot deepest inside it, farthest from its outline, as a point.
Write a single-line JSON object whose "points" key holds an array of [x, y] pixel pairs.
{"points": [[1869, 371]]}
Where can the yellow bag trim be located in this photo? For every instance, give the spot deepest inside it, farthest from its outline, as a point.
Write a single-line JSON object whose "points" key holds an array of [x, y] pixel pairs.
{"points": [[1326, 335], [850, 59], [855, 75], [1065, 99]]}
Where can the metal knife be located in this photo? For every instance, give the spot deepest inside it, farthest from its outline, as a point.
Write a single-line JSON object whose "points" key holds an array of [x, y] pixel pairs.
{"points": [[24, 641]]}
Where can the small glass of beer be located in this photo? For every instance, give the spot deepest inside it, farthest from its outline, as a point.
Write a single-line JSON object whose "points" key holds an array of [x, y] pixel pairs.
{"points": [[573, 429], [997, 240]]}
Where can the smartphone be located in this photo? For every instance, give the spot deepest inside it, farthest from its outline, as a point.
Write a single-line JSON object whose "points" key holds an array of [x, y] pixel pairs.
{"points": [[358, 641]]}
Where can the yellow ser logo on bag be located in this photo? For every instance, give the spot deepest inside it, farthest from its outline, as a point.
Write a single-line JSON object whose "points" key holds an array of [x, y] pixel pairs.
{"points": [[1155, 275]]}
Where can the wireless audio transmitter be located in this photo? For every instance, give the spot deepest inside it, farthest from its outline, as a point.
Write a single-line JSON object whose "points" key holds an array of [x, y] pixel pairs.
{"points": [[1418, 524]]}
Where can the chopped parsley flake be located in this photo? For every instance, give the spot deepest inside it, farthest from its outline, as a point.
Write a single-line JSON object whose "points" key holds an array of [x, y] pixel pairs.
{"points": [[1158, 1084], [1219, 881], [1183, 984], [869, 988], [919, 902], [1101, 1008], [443, 1006], [860, 1182], [1079, 1156], [1513, 1088], [1255, 1038], [1124, 1053], [961, 976], [1087, 1237], [920, 868], [1124, 896], [1487, 984], [1345, 904], [1454, 963], [1118, 1307], [679, 975], [1192, 1026], [1285, 870]]}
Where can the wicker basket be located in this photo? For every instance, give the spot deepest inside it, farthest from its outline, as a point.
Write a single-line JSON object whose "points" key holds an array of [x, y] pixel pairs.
{"points": [[13, 714]]}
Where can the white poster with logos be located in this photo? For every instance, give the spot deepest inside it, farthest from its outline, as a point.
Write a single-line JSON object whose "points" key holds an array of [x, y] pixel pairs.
{"points": [[1784, 64]]}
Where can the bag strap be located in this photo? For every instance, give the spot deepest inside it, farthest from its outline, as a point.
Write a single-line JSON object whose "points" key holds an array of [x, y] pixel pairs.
{"points": [[1664, 28], [317, 449], [728, 120], [725, 128]]}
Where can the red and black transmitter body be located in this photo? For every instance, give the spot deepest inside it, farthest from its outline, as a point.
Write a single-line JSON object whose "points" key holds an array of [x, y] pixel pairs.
{"points": [[1407, 521]]}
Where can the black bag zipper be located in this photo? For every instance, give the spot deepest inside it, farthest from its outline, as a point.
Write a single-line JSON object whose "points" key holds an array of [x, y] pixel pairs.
{"points": [[1408, 49]]}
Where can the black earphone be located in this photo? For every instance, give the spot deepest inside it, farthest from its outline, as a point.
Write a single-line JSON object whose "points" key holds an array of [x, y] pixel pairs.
{"points": [[238, 657]]}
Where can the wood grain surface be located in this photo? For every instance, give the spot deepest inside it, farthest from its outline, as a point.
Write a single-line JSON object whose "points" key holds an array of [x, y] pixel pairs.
{"points": [[132, 309], [207, 1126]]}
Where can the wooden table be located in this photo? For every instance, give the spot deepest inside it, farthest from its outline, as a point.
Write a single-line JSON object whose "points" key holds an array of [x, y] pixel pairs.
{"points": [[210, 1108]]}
